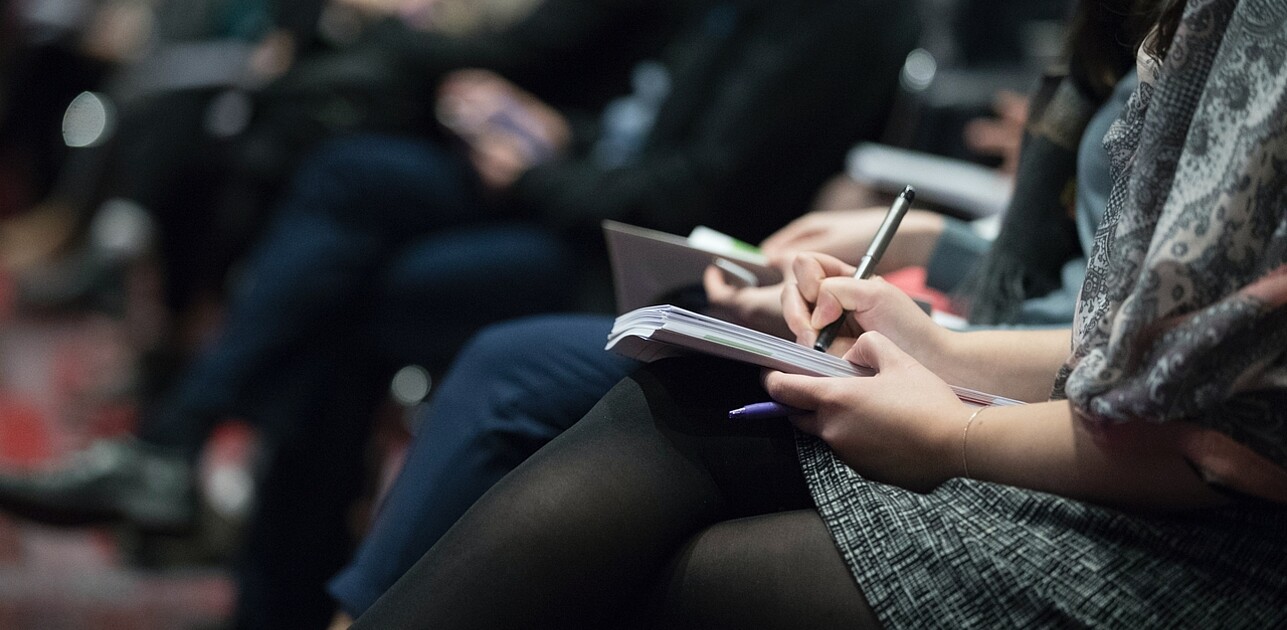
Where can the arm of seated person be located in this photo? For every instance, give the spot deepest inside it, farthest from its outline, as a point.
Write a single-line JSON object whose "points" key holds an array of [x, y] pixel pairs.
{"points": [[1136, 464], [905, 427], [846, 234], [1047, 447]]}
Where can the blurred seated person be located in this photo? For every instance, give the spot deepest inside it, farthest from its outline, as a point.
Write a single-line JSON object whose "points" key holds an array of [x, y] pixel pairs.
{"points": [[210, 108]]}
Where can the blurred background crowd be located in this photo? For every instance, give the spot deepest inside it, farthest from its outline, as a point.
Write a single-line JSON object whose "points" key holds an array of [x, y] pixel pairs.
{"points": [[152, 150]]}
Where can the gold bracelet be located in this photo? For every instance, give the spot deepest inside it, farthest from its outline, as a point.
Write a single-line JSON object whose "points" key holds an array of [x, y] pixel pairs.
{"points": [[965, 436]]}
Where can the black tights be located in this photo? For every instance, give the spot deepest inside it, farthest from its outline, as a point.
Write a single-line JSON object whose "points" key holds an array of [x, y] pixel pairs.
{"points": [[654, 510]]}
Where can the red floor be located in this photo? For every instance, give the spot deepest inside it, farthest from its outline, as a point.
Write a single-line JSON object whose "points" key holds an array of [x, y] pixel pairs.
{"points": [[63, 380]]}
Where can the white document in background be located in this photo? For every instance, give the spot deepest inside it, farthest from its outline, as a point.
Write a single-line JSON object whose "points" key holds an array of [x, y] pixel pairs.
{"points": [[973, 190]]}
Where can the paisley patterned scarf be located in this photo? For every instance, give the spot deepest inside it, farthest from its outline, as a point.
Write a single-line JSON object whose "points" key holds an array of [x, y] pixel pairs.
{"points": [[1183, 315]]}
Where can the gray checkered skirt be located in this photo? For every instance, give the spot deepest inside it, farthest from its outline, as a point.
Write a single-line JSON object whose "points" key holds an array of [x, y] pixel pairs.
{"points": [[978, 554]]}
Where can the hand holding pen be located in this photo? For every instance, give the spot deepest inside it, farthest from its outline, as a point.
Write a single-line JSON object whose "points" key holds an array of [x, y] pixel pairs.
{"points": [[867, 264]]}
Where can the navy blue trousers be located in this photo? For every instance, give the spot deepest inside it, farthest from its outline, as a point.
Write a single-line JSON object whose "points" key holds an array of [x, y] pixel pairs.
{"points": [[378, 235], [512, 389]]}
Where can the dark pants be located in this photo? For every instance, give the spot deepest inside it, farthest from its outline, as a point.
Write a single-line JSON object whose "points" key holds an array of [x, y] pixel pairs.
{"points": [[382, 255], [317, 421], [511, 390], [383, 237]]}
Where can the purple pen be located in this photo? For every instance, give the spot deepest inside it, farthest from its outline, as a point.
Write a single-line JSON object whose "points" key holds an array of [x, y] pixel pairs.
{"points": [[758, 411]]}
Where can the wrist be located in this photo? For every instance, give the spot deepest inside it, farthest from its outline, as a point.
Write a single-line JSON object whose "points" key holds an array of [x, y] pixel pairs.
{"points": [[939, 349], [950, 443], [963, 464]]}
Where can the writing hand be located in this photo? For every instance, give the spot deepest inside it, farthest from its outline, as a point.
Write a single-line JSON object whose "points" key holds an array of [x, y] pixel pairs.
{"points": [[824, 290]]}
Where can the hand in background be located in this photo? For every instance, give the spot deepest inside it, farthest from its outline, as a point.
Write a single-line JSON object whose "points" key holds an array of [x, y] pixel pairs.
{"points": [[843, 192], [846, 234], [1001, 135], [759, 308], [508, 130], [118, 31]]}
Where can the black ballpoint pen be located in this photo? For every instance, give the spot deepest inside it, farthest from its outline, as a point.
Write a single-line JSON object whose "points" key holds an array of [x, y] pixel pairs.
{"points": [[867, 264]]}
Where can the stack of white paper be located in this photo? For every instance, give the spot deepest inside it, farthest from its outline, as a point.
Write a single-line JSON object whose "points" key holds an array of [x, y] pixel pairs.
{"points": [[658, 332]]}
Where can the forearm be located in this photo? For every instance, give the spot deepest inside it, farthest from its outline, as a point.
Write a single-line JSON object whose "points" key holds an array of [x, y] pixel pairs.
{"points": [[1044, 447], [1019, 364]]}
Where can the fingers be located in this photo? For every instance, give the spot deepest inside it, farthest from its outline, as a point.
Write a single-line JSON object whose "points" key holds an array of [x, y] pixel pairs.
{"points": [[718, 290], [878, 352], [837, 295], [810, 393], [811, 269], [825, 264], [781, 240], [815, 276], [800, 297], [798, 315], [801, 392], [823, 291]]}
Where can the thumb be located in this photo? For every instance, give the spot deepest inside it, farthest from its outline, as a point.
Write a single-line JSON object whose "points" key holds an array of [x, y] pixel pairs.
{"points": [[878, 352]]}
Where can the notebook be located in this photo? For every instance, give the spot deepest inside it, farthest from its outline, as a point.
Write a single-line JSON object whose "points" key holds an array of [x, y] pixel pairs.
{"points": [[649, 267], [657, 332]]}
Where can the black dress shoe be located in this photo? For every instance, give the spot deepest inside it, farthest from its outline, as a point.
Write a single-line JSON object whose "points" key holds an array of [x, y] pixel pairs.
{"points": [[113, 481]]}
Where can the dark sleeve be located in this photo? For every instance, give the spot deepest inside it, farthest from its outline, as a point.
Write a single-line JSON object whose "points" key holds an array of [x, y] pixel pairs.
{"points": [[791, 95], [299, 18], [565, 50]]}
